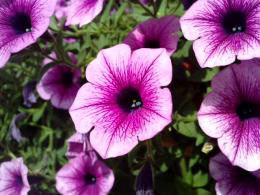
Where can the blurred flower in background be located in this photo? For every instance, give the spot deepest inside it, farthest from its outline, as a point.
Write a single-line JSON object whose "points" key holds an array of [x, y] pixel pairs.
{"points": [[13, 178], [61, 8], [85, 174], [83, 11], [233, 180], [155, 33], [29, 96], [60, 84], [78, 143]]}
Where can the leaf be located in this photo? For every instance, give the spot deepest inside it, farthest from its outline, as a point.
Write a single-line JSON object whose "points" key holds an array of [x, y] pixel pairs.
{"points": [[200, 179], [204, 75]]}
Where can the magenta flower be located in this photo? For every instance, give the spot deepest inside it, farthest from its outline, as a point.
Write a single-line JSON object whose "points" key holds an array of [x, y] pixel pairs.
{"points": [[233, 180], [85, 174], [223, 30], [124, 100], [21, 23], [60, 84], [231, 113], [78, 143], [61, 8], [155, 33], [13, 178], [83, 11]]}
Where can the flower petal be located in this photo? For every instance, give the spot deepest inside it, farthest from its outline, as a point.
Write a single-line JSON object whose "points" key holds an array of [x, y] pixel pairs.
{"points": [[156, 66], [83, 11], [109, 65]]}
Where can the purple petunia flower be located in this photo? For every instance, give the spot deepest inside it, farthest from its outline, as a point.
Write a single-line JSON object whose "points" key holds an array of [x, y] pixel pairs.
{"points": [[83, 11], [155, 33], [124, 100], [233, 180], [231, 113], [85, 174], [60, 84], [61, 8], [144, 180], [21, 23], [13, 178], [14, 129], [223, 30], [78, 143], [29, 97]]}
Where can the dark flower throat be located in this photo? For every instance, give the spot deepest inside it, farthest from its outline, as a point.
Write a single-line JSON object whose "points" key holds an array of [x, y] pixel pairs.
{"points": [[21, 23], [90, 179], [129, 99], [67, 78], [234, 22], [247, 110], [153, 44]]}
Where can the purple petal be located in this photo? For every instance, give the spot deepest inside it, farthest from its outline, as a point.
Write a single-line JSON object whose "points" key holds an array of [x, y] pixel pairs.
{"points": [[13, 178], [14, 130], [29, 96]]}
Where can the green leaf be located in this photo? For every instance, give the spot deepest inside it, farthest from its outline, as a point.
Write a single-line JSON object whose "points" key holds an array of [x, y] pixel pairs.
{"points": [[200, 179]]}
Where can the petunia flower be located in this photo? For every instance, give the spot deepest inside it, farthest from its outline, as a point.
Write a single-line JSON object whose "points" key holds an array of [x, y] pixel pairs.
{"points": [[78, 143], [22, 22], [61, 8], [155, 33], [13, 178], [14, 129], [60, 84], [125, 100], [83, 11], [223, 30], [232, 180], [231, 113], [29, 97], [144, 180], [84, 174]]}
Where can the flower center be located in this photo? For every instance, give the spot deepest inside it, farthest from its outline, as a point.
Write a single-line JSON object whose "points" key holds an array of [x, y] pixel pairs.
{"points": [[246, 110], [129, 99], [90, 179], [151, 44], [67, 78], [21, 23], [234, 22]]}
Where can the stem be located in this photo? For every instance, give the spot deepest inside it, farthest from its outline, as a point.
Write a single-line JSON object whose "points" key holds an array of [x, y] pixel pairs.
{"points": [[154, 8], [149, 149]]}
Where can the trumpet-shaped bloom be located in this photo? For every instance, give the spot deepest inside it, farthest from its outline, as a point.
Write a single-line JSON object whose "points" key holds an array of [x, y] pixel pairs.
{"points": [[232, 180], [85, 174], [13, 178], [155, 33], [83, 11], [60, 84], [124, 100], [231, 113], [21, 23], [223, 30]]}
